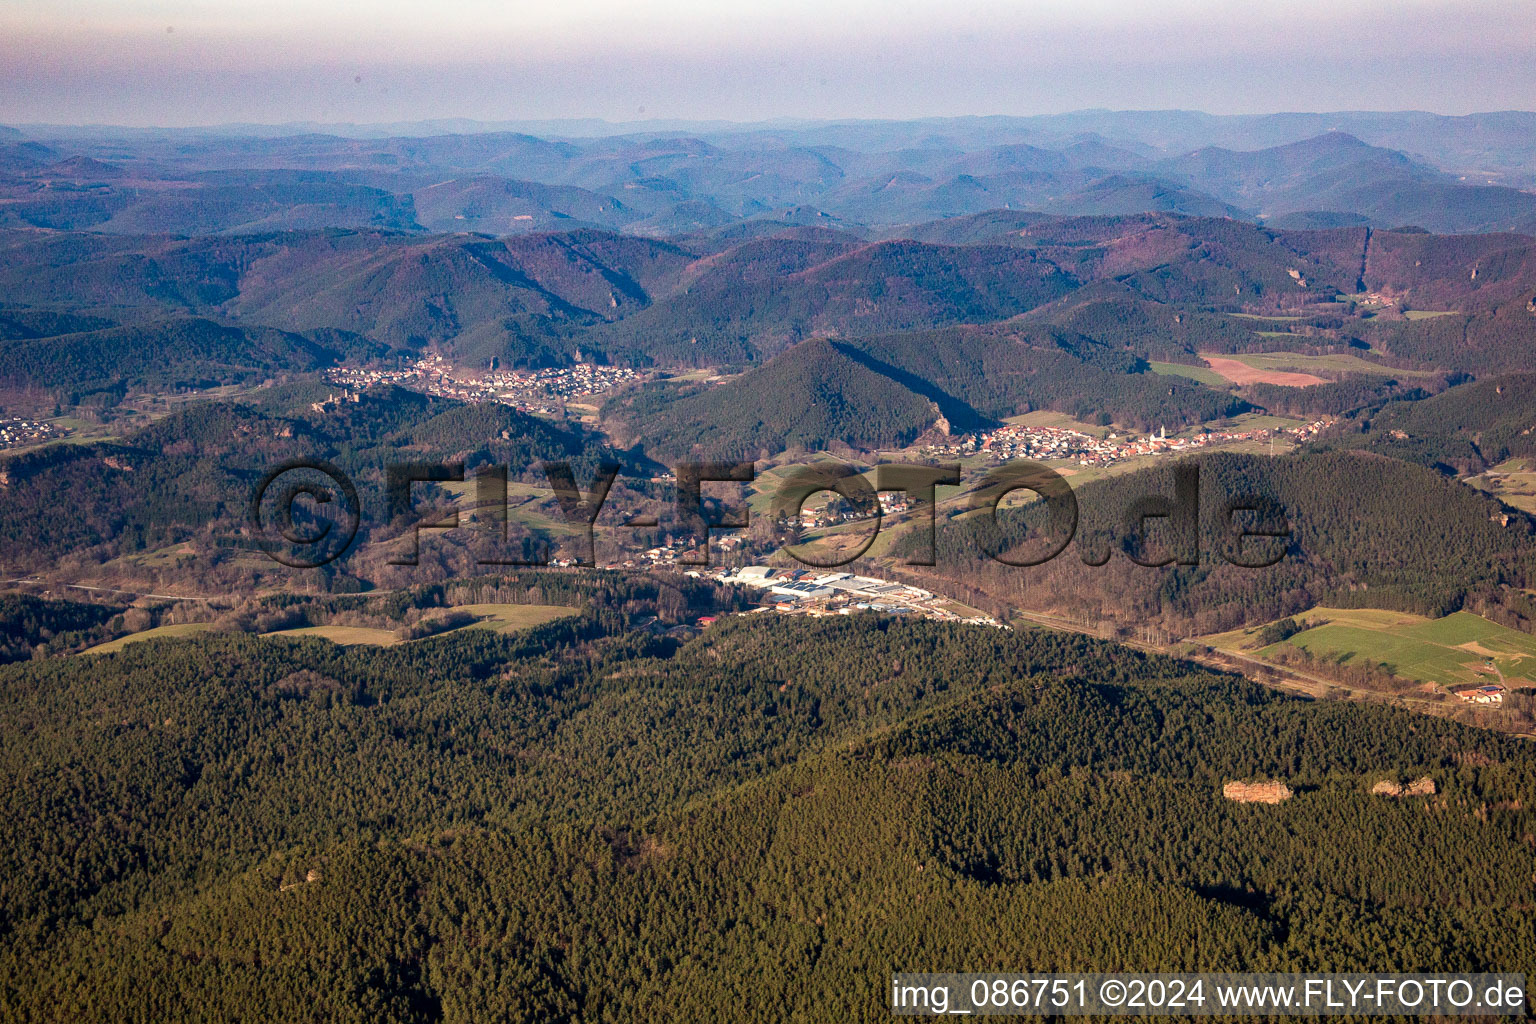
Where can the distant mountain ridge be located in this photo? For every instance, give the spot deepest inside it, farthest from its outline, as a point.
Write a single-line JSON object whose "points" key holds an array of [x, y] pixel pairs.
{"points": [[1449, 175], [737, 295]]}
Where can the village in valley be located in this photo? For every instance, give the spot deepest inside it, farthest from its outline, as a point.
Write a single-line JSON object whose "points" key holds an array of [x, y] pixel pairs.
{"points": [[16, 432], [545, 392], [1045, 443], [533, 391]]}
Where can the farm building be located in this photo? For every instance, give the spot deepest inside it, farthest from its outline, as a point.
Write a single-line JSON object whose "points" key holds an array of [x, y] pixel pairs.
{"points": [[1488, 694]]}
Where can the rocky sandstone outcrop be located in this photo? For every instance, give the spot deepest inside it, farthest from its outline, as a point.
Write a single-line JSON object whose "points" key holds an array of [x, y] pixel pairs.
{"points": [[1270, 792], [1423, 786]]}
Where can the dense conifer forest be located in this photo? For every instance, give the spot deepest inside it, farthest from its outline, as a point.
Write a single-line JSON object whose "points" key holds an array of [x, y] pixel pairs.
{"points": [[27, 623], [585, 823]]}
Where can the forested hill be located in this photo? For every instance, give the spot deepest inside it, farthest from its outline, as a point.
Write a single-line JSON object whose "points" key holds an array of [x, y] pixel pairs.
{"points": [[743, 307], [169, 355], [886, 390], [27, 623], [1007, 369], [190, 475], [1366, 531], [1466, 429], [577, 824], [807, 398]]}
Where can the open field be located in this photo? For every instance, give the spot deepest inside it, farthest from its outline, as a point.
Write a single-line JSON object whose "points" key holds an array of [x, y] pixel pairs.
{"points": [[508, 618], [527, 504], [840, 542], [84, 431], [761, 491], [1512, 482], [1337, 362], [954, 607], [1202, 374], [1296, 362], [1457, 649], [161, 558], [1426, 314], [465, 492], [158, 633], [1246, 638], [502, 618], [132, 414], [1046, 418], [81, 432], [1239, 372], [1260, 421], [706, 375], [345, 636], [1274, 446]]}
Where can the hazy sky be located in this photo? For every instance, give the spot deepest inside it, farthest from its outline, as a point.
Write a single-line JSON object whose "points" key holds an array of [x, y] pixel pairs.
{"points": [[180, 62]]}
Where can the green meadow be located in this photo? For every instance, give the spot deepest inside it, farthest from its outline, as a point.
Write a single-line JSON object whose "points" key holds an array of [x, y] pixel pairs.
{"points": [[1201, 374], [1457, 649]]}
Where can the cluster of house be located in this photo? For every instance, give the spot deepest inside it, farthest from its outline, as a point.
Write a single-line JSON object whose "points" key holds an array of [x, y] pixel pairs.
{"points": [[16, 432], [818, 592], [1060, 443], [839, 511], [1488, 693], [667, 553], [538, 391]]}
